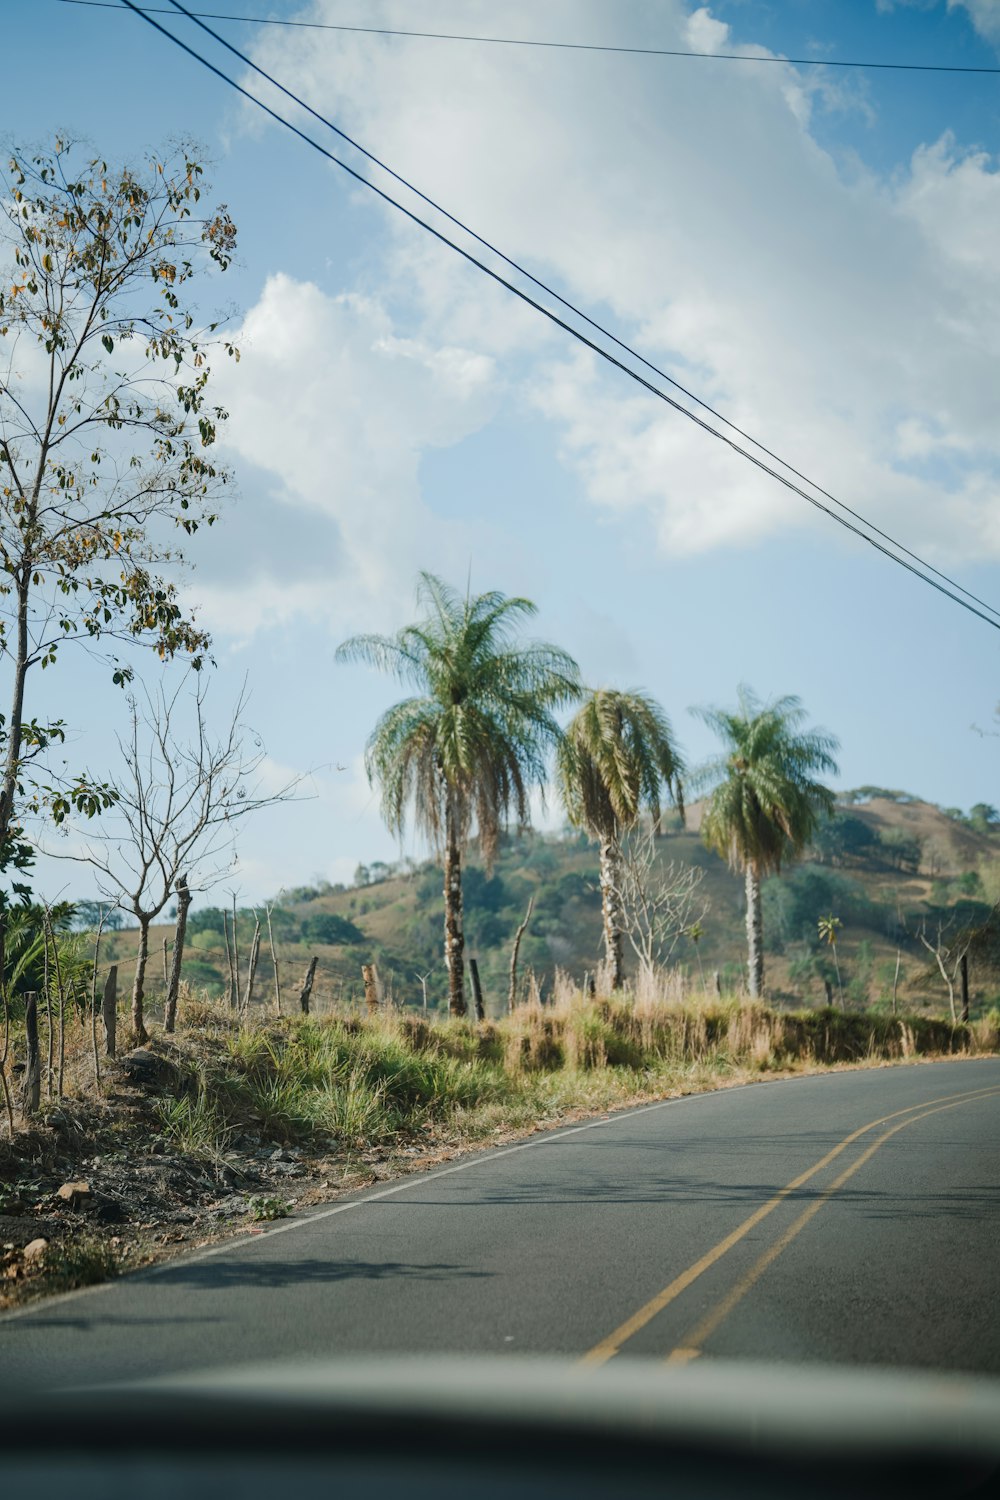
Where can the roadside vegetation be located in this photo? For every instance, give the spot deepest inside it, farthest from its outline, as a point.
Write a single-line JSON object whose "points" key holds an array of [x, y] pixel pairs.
{"points": [[232, 1121]]}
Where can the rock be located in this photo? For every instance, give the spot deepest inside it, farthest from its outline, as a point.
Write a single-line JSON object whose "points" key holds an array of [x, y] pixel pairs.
{"points": [[230, 1207], [147, 1069], [35, 1249], [74, 1193]]}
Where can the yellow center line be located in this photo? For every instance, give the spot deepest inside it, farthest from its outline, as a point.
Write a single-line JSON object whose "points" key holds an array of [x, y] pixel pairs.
{"points": [[609, 1347], [691, 1345]]}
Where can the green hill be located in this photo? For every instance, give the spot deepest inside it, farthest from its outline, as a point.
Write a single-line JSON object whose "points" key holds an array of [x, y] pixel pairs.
{"points": [[886, 864]]}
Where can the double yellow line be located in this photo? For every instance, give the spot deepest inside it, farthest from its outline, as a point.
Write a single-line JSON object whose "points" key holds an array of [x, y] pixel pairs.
{"points": [[691, 1344]]}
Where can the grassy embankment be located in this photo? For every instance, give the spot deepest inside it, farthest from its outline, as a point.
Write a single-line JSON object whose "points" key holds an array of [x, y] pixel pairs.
{"points": [[362, 1080]]}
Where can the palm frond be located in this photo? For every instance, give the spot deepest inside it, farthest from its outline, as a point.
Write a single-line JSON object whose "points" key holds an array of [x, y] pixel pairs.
{"points": [[617, 758], [470, 749], [765, 802]]}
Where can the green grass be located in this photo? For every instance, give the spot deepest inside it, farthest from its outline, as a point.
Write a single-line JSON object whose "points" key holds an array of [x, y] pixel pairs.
{"points": [[197, 1126], [361, 1081]]}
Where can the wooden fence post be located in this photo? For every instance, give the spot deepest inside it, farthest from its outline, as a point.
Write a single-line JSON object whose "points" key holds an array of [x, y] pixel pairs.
{"points": [[252, 968], [306, 990], [31, 1088], [477, 989], [963, 969], [369, 974], [109, 1012], [183, 902]]}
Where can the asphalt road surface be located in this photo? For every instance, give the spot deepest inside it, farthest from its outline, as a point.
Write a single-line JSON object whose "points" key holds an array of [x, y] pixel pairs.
{"points": [[849, 1218]]}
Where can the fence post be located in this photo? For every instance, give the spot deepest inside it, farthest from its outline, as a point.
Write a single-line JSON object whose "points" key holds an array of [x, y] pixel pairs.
{"points": [[183, 902], [307, 986], [109, 1012], [31, 1088], [477, 989]]}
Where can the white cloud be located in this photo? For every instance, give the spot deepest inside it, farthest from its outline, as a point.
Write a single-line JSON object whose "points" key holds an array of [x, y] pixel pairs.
{"points": [[704, 33], [331, 413], [984, 15], [834, 318]]}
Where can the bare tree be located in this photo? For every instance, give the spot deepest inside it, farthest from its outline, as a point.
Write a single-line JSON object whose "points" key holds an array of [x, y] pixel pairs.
{"points": [[954, 943], [180, 795], [274, 964], [946, 951], [512, 985], [423, 978], [659, 902]]}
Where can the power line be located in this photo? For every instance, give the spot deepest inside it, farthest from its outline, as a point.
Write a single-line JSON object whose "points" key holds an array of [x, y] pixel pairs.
{"points": [[517, 41], [555, 318], [591, 322]]}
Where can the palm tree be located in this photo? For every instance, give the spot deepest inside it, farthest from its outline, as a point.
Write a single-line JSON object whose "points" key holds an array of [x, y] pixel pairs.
{"points": [[616, 758], [466, 753], [766, 805]]}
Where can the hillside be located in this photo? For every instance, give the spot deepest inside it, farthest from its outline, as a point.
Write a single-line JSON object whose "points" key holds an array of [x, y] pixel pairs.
{"points": [[885, 865]]}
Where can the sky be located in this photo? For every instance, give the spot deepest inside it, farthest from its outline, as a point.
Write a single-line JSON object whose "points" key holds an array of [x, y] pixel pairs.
{"points": [[811, 251]]}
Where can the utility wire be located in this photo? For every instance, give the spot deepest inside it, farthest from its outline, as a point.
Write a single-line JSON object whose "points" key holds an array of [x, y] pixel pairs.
{"points": [[554, 317], [550, 291], [517, 41]]}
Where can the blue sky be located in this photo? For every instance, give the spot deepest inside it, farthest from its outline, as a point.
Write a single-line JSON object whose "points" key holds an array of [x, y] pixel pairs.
{"points": [[814, 252]]}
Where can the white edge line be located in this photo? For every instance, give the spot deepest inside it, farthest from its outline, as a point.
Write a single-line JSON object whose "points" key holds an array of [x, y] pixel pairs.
{"points": [[416, 1179]]}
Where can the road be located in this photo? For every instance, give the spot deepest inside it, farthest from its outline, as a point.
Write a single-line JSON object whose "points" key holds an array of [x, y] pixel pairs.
{"points": [[847, 1218]]}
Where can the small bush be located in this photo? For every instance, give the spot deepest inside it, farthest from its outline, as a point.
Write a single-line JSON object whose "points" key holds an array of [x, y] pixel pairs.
{"points": [[84, 1260], [263, 1207]]}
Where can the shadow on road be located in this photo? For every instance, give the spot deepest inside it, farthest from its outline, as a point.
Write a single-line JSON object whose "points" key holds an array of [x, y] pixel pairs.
{"points": [[212, 1275], [32, 1322]]}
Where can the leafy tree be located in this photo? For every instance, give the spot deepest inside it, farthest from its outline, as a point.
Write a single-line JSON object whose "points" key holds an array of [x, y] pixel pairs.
{"points": [[467, 751], [328, 927], [105, 430], [765, 804], [617, 758], [984, 818], [482, 892], [206, 919], [88, 915], [794, 904], [842, 838], [902, 850]]}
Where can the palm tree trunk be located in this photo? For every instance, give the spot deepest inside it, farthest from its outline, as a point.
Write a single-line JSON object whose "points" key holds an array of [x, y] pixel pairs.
{"points": [[755, 934], [611, 909], [454, 937]]}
